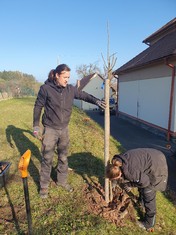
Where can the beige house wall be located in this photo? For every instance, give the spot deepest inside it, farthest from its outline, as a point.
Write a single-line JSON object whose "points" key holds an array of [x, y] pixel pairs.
{"points": [[157, 71], [145, 95], [93, 88]]}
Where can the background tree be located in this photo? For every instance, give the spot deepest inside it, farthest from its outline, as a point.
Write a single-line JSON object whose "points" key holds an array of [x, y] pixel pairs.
{"points": [[85, 70], [18, 84]]}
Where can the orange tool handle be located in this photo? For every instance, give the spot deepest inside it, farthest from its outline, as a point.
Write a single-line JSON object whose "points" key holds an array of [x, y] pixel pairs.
{"points": [[23, 163]]}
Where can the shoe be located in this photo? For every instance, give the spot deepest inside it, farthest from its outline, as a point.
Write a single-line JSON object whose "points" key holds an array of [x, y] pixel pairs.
{"points": [[43, 193], [142, 226], [67, 187]]}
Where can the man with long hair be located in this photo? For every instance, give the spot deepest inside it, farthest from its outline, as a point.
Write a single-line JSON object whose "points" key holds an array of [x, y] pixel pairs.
{"points": [[56, 98]]}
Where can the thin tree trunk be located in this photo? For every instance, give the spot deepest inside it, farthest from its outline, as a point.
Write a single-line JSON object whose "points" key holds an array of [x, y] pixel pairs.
{"points": [[111, 60], [106, 137]]}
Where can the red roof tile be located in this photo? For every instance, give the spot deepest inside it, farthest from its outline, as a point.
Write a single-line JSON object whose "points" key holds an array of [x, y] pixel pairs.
{"points": [[164, 47]]}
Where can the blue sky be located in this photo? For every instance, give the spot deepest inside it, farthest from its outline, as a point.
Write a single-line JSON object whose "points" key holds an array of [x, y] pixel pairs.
{"points": [[36, 35]]}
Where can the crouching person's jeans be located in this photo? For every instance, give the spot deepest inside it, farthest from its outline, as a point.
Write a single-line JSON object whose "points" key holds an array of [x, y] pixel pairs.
{"points": [[51, 139], [149, 199]]}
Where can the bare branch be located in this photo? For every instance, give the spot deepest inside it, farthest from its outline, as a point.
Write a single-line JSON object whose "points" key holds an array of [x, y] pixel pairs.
{"points": [[105, 66]]}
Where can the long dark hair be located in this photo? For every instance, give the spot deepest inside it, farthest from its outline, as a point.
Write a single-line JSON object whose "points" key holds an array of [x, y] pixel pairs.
{"points": [[59, 69], [113, 169]]}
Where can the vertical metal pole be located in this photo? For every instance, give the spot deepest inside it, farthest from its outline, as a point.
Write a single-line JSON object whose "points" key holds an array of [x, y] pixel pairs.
{"points": [[171, 101], [106, 137], [27, 201]]}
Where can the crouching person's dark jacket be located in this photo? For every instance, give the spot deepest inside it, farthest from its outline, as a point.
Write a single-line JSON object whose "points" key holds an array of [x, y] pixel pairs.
{"points": [[145, 167]]}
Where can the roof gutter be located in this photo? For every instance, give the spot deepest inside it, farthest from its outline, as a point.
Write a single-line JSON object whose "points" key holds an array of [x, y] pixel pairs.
{"points": [[144, 65], [171, 99]]}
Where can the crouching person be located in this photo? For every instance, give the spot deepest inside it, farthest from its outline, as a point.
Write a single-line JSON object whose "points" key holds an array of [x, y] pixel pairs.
{"points": [[146, 169]]}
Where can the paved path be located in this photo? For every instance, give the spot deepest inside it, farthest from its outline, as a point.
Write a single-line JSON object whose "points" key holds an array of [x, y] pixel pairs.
{"points": [[131, 136]]}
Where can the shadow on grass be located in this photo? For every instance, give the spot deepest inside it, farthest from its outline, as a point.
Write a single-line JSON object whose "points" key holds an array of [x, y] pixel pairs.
{"points": [[17, 135], [85, 164], [15, 220], [88, 166]]}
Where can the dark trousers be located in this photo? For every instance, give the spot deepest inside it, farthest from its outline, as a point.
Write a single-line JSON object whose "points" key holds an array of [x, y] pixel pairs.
{"points": [[51, 139], [148, 196]]}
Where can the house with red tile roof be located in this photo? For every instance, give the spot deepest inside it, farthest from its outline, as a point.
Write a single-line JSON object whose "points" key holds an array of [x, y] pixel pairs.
{"points": [[147, 86]]}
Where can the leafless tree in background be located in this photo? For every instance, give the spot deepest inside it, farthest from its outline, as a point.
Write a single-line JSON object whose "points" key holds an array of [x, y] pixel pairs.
{"points": [[85, 70]]}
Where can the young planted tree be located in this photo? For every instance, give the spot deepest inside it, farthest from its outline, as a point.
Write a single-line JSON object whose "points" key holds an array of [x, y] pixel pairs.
{"points": [[108, 66]]}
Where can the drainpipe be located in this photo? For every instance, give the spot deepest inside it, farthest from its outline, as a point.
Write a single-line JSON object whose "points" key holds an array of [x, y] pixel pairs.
{"points": [[171, 100], [117, 95]]}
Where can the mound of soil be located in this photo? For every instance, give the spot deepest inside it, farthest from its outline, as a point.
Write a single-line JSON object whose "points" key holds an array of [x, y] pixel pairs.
{"points": [[117, 210]]}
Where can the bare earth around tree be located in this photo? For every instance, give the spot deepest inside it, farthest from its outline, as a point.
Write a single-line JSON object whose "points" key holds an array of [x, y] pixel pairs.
{"points": [[116, 211]]}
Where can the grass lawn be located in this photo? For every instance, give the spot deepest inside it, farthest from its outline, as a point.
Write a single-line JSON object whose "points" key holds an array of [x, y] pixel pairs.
{"points": [[61, 213]]}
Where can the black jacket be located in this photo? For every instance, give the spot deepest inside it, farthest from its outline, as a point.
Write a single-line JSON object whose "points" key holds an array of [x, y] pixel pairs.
{"points": [[57, 102], [145, 167]]}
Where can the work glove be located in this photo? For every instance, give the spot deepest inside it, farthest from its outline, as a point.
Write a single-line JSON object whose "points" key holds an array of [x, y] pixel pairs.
{"points": [[114, 183], [36, 132], [101, 104], [127, 187]]}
